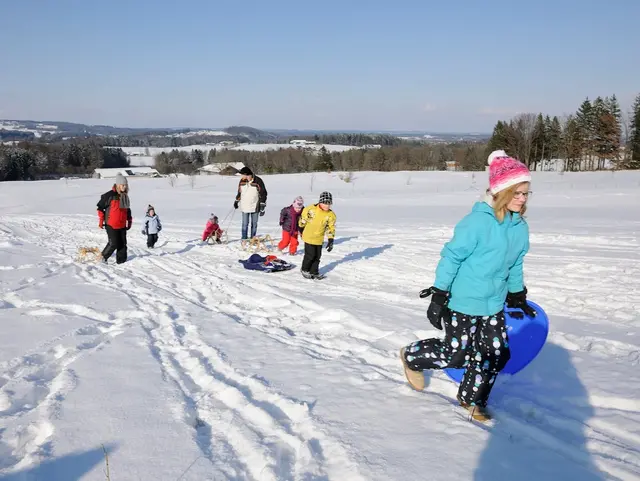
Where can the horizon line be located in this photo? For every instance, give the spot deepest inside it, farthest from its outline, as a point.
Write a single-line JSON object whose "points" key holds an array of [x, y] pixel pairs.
{"points": [[279, 129]]}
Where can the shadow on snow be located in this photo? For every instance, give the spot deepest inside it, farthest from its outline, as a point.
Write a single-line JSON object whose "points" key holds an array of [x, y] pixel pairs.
{"points": [[546, 409], [70, 467], [356, 256]]}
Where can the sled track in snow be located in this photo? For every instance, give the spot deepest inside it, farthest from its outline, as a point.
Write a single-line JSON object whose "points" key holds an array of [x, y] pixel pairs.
{"points": [[245, 428], [34, 385], [242, 426], [302, 324], [260, 432]]}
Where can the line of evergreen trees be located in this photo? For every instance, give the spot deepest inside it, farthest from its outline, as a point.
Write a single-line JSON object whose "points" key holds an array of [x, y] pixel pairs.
{"points": [[180, 161], [32, 161], [468, 156], [597, 133], [145, 140], [354, 139]]}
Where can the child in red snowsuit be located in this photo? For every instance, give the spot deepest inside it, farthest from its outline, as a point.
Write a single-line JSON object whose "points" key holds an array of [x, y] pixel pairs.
{"points": [[212, 230], [289, 221]]}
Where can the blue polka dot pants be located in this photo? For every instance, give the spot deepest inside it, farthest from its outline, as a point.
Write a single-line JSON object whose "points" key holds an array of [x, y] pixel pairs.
{"points": [[478, 343]]}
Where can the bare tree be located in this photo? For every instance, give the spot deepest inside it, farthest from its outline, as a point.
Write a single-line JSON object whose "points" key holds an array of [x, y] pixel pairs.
{"points": [[523, 129], [625, 120], [571, 143]]}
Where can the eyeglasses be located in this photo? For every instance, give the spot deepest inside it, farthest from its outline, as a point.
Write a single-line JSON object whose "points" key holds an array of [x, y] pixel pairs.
{"points": [[520, 195]]}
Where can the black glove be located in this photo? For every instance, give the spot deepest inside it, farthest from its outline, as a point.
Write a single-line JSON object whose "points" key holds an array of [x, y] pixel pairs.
{"points": [[518, 300], [438, 307], [263, 206], [329, 245], [235, 204]]}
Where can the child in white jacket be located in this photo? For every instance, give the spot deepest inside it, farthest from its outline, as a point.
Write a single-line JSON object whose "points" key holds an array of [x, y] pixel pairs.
{"points": [[152, 227]]}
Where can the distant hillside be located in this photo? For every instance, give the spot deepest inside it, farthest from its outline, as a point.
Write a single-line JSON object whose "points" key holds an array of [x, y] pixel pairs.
{"points": [[54, 131], [251, 133]]}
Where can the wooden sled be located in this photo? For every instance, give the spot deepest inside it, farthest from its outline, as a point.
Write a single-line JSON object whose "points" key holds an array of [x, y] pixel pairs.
{"points": [[258, 244], [89, 254]]}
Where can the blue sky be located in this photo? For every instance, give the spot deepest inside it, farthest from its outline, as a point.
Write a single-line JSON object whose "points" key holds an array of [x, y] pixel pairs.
{"points": [[352, 64]]}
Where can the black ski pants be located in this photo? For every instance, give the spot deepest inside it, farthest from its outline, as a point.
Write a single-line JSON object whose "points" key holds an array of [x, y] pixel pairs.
{"points": [[311, 259], [117, 243], [151, 240], [477, 343]]}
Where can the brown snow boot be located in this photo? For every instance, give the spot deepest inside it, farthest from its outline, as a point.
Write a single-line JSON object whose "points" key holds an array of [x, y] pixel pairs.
{"points": [[415, 378], [479, 413]]}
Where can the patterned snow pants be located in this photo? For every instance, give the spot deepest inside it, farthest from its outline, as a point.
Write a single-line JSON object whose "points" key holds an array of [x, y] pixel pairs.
{"points": [[477, 343]]}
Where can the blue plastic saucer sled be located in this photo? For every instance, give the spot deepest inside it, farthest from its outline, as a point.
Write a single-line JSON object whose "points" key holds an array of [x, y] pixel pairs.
{"points": [[526, 338]]}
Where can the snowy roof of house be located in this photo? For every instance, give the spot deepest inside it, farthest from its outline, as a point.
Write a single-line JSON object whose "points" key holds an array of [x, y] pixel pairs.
{"points": [[126, 171], [218, 166]]}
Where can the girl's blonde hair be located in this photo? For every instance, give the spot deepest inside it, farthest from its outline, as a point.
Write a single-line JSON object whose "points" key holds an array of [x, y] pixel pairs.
{"points": [[502, 198]]}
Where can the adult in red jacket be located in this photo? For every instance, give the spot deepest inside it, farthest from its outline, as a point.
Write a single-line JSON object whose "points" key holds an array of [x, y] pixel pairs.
{"points": [[114, 212]]}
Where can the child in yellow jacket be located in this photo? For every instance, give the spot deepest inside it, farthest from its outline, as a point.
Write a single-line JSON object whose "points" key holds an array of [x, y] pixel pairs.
{"points": [[314, 222]]}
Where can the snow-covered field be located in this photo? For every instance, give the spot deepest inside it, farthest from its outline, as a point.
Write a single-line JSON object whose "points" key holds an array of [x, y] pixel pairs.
{"points": [[183, 365]]}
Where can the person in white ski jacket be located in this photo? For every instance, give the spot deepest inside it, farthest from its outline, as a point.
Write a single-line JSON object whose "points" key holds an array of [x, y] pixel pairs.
{"points": [[252, 200]]}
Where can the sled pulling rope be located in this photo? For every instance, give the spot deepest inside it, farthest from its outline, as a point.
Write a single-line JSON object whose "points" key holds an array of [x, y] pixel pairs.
{"points": [[223, 234], [224, 238]]}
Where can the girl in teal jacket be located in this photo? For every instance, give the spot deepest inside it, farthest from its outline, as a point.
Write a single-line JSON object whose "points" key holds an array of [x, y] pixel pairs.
{"points": [[480, 269]]}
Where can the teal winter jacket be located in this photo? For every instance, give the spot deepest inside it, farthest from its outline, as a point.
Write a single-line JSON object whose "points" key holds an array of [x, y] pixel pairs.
{"points": [[483, 261]]}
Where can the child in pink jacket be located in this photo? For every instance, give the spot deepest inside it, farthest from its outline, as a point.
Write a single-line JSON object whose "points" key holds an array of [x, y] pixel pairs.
{"points": [[212, 230]]}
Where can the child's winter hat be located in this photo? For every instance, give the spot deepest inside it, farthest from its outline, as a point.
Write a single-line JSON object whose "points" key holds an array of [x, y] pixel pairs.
{"points": [[505, 171], [150, 208], [298, 202], [326, 198], [213, 218]]}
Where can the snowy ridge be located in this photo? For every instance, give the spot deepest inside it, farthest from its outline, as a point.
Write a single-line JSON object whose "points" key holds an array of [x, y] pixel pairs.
{"points": [[232, 374], [18, 127], [192, 133]]}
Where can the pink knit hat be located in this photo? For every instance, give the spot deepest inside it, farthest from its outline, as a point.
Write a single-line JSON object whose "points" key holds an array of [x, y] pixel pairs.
{"points": [[505, 171]]}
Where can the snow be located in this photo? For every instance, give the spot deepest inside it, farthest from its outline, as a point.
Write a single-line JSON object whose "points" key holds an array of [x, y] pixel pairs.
{"points": [[191, 133], [142, 161], [314, 147], [217, 167], [111, 173], [136, 153], [180, 364]]}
